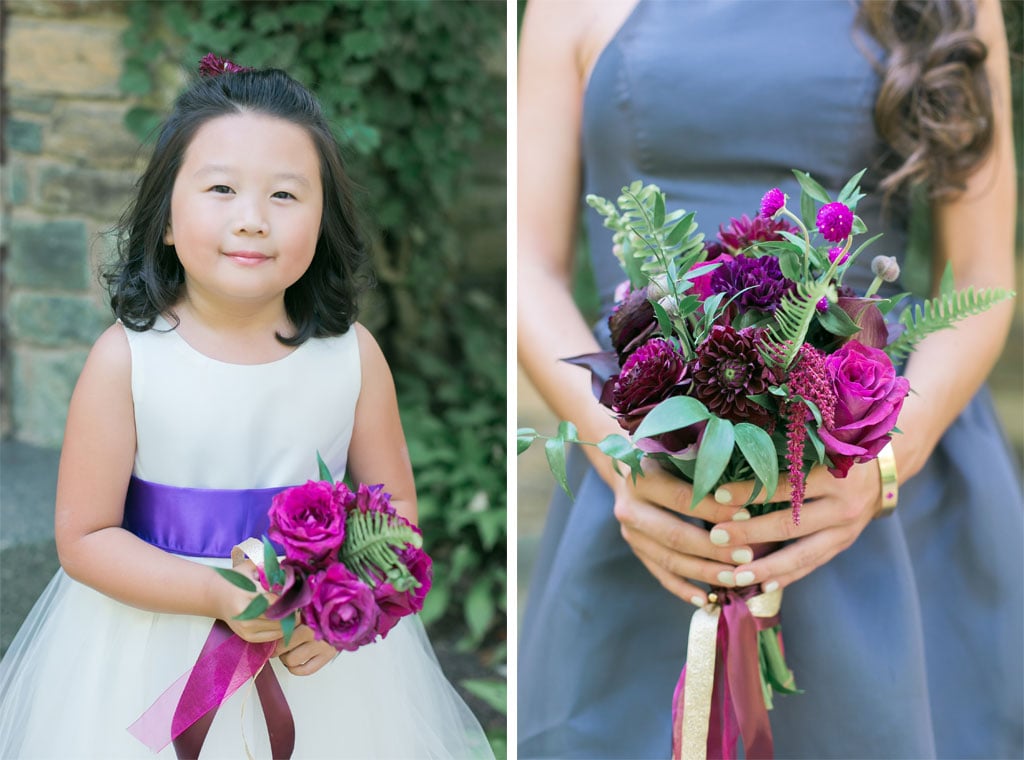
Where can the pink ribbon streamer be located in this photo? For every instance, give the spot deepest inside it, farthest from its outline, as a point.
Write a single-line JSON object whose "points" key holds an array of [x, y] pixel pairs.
{"points": [[737, 702], [224, 665]]}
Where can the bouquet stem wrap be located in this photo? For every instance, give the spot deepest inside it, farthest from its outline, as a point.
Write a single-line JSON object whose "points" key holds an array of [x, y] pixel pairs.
{"points": [[184, 712], [719, 696]]}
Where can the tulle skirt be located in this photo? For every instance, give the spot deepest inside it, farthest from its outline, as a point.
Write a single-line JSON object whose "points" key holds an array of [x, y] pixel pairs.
{"points": [[84, 667]]}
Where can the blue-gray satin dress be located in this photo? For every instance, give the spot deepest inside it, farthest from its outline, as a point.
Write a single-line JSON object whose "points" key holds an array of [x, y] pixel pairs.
{"points": [[908, 644]]}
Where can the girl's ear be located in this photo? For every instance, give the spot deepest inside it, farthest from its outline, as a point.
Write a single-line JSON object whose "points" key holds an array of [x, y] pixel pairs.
{"points": [[168, 235]]}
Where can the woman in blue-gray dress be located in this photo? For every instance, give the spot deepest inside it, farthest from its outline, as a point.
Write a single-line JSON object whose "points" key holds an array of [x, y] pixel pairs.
{"points": [[905, 633]]}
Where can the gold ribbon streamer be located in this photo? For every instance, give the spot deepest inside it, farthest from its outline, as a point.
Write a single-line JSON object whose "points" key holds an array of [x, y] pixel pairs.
{"points": [[701, 653]]}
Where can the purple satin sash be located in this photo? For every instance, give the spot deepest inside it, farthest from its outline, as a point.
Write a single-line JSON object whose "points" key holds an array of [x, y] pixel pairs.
{"points": [[196, 522]]}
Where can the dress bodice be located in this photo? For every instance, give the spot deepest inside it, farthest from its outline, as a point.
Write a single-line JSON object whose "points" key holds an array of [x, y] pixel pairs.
{"points": [[203, 423], [669, 88]]}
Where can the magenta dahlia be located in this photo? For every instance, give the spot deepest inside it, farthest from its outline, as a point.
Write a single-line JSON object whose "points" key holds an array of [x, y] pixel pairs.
{"points": [[745, 231], [650, 375]]}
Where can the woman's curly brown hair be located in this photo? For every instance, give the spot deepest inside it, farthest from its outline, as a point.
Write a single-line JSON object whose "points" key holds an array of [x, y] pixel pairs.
{"points": [[934, 109]]}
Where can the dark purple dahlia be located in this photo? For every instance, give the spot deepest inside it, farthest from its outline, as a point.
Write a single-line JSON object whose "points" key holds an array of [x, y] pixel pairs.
{"points": [[759, 283], [650, 375], [631, 322], [729, 369], [745, 231]]}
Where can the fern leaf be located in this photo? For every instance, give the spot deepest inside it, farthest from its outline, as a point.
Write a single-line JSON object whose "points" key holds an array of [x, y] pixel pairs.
{"points": [[792, 320], [940, 313], [372, 540]]}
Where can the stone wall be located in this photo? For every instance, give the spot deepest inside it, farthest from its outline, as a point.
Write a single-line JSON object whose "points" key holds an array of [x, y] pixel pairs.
{"points": [[68, 168]]}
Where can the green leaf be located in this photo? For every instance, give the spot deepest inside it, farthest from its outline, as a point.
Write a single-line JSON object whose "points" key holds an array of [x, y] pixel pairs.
{"points": [[271, 568], [713, 455], [846, 195], [672, 414], [524, 439], [791, 264], [759, 451], [816, 442], [479, 608], [554, 448], [659, 211], [811, 187], [325, 472], [135, 80], [622, 450], [491, 691], [288, 628], [236, 578], [436, 604], [808, 211], [567, 432], [838, 322], [256, 608]]}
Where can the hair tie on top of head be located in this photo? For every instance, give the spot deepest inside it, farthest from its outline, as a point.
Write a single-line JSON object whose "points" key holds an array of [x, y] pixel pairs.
{"points": [[211, 65]]}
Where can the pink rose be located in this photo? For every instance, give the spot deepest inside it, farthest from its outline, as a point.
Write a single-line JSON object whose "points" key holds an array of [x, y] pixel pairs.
{"points": [[869, 396], [309, 521], [342, 610], [418, 563]]}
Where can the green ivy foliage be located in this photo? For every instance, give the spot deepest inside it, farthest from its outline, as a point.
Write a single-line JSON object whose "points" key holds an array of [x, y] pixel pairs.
{"points": [[415, 92]]}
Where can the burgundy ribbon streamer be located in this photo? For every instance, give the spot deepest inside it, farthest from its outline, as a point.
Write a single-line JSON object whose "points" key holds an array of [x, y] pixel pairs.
{"points": [[184, 712], [737, 702]]}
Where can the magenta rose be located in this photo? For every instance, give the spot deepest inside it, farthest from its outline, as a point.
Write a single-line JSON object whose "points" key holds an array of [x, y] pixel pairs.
{"points": [[309, 521], [394, 605], [342, 610], [869, 396]]}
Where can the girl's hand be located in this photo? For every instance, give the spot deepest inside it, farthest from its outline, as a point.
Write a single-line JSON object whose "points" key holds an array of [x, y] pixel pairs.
{"points": [[233, 602], [676, 552], [304, 655], [835, 512]]}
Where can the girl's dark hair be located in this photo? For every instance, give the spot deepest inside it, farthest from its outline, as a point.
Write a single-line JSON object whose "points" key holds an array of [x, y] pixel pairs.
{"points": [[147, 278], [933, 108]]}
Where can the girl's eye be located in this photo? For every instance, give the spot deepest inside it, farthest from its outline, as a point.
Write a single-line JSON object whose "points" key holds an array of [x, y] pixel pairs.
{"points": [[221, 189], [282, 194]]}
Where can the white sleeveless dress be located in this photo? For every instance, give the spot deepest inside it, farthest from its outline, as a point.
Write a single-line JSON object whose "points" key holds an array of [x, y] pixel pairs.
{"points": [[83, 666]]}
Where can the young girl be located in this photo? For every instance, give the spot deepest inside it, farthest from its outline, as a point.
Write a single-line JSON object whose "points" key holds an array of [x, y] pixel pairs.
{"points": [[235, 359]]}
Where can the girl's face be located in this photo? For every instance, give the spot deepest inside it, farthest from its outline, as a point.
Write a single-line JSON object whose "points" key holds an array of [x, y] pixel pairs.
{"points": [[246, 208]]}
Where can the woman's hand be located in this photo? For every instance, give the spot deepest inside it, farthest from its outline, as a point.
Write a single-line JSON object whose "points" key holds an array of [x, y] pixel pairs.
{"points": [[677, 552], [835, 512], [304, 655]]}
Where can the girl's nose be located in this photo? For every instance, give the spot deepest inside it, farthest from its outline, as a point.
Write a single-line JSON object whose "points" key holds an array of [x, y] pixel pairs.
{"points": [[251, 220]]}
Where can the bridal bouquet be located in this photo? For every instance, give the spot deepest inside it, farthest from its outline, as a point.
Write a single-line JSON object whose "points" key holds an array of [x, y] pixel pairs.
{"points": [[741, 359], [352, 568]]}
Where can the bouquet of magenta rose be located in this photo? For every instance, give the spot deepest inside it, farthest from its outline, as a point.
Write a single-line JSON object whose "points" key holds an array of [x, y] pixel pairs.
{"points": [[352, 568], [741, 359], [352, 565]]}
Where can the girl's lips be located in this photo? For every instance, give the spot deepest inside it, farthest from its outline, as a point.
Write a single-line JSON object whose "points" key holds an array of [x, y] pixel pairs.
{"points": [[247, 258]]}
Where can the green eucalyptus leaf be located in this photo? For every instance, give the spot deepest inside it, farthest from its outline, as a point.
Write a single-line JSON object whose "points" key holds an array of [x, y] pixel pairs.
{"points": [[554, 449], [838, 322], [816, 443], [288, 628], [713, 455], [524, 439], [271, 567], [811, 187], [236, 578], [325, 472], [567, 432], [672, 414], [256, 608], [759, 451], [849, 194]]}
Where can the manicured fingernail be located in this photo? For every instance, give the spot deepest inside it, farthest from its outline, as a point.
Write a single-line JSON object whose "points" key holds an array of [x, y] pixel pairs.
{"points": [[771, 586], [741, 515], [697, 601], [722, 495], [742, 556], [745, 578], [719, 537], [726, 578]]}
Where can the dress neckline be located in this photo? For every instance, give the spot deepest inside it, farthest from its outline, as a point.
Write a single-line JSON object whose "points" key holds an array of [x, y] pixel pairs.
{"points": [[163, 325]]}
